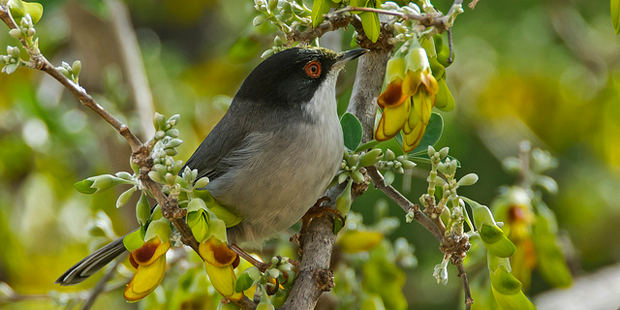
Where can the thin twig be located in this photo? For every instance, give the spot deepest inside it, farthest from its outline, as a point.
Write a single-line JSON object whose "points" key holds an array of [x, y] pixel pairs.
{"points": [[468, 299], [41, 63], [101, 284], [404, 203], [130, 52], [331, 23], [140, 152]]}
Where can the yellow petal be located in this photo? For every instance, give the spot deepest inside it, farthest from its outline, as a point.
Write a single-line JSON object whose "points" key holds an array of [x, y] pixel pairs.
{"points": [[146, 279], [395, 118], [413, 138], [150, 251], [392, 95], [379, 133], [430, 83], [414, 117], [216, 252], [423, 103], [412, 82], [223, 280]]}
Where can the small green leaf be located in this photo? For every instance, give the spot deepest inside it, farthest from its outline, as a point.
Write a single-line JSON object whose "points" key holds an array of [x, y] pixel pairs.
{"points": [[367, 145], [199, 225], [502, 248], [371, 157], [388, 177], [551, 263], [504, 282], [143, 210], [344, 200], [371, 25], [615, 15], [247, 279], [352, 130], [444, 99], [160, 229], [243, 283], [124, 198], [105, 181], [319, 8], [35, 10], [217, 229], [85, 187], [517, 301], [490, 233], [133, 240]]}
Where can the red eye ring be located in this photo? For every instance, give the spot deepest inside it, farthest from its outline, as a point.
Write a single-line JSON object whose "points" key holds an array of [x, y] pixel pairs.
{"points": [[313, 69]]}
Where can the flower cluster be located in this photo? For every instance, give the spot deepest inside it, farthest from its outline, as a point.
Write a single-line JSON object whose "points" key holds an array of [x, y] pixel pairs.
{"points": [[408, 98]]}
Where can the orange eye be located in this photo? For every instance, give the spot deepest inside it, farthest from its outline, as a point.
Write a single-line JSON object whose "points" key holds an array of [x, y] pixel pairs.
{"points": [[313, 69]]}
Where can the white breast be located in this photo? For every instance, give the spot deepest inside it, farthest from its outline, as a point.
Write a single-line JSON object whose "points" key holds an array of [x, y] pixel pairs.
{"points": [[282, 174]]}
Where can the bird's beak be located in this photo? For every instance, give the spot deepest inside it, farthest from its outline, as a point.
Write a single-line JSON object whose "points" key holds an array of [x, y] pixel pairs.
{"points": [[347, 56]]}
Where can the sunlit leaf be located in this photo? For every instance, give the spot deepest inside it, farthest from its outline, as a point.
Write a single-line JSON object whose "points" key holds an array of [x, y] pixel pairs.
{"points": [[319, 8], [371, 25]]}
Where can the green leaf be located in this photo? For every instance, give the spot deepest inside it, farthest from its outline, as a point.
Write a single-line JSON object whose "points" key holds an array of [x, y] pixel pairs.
{"points": [[615, 15], [143, 210], [367, 145], [551, 263], [371, 25], [134, 240], [247, 279], [432, 134], [504, 282], [160, 229], [124, 198], [20, 8], [35, 10], [105, 181], [517, 301], [444, 99], [85, 187], [198, 222], [501, 246], [352, 130], [319, 8], [344, 200]]}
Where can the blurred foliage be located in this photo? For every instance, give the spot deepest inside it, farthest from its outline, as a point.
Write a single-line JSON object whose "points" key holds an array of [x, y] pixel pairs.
{"points": [[546, 71]]}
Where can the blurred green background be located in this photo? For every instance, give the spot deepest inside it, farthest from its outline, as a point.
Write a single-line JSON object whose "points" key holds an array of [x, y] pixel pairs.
{"points": [[546, 71]]}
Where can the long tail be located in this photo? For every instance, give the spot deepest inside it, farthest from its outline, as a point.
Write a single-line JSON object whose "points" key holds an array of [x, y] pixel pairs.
{"points": [[92, 263]]}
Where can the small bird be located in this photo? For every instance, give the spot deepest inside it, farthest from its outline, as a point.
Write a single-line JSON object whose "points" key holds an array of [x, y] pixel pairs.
{"points": [[272, 155]]}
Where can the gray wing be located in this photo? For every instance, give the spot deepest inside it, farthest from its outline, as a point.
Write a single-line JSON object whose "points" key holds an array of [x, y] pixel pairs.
{"points": [[226, 137]]}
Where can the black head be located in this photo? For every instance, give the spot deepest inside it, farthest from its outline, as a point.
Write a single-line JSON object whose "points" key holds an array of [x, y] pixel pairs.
{"points": [[292, 76]]}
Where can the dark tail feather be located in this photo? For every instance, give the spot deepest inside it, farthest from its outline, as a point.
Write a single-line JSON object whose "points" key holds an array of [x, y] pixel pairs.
{"points": [[92, 263]]}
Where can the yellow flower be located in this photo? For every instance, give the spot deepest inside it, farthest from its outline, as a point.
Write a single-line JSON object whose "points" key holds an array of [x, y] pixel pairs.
{"points": [[219, 265], [408, 98], [150, 262]]}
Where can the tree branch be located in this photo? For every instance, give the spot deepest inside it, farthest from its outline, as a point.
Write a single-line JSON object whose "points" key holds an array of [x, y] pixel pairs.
{"points": [[100, 288], [404, 203], [132, 60], [331, 23], [140, 153]]}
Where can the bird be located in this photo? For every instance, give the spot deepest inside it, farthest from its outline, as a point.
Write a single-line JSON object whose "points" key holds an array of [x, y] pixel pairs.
{"points": [[272, 155]]}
